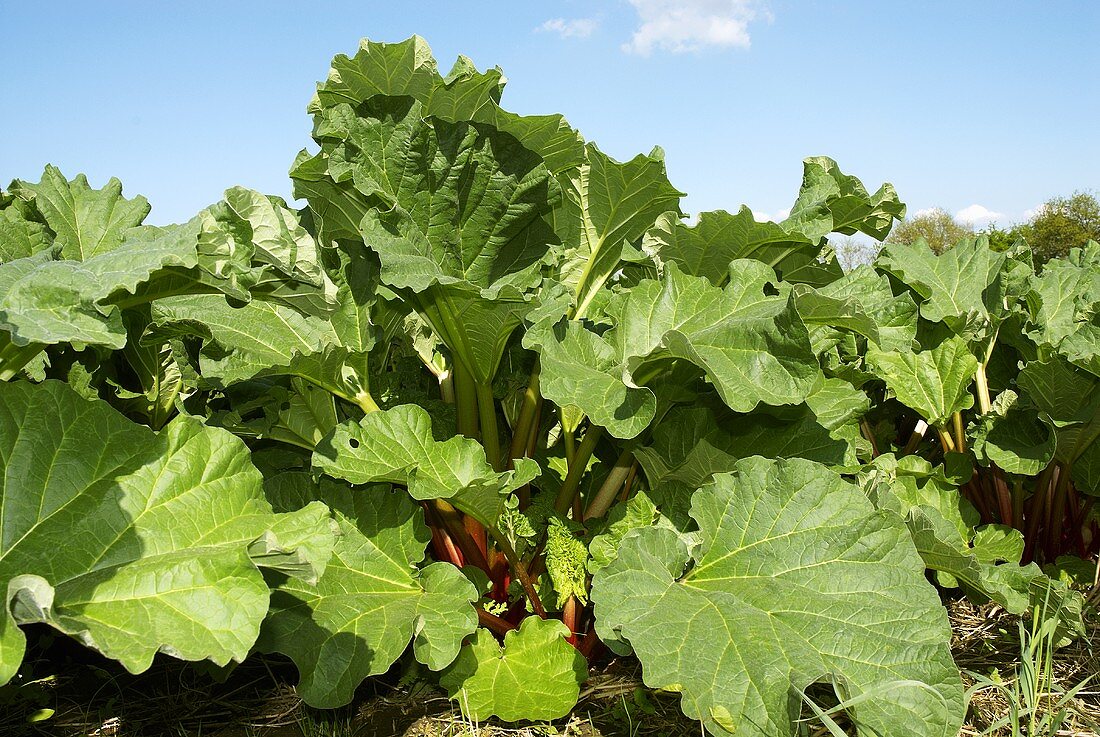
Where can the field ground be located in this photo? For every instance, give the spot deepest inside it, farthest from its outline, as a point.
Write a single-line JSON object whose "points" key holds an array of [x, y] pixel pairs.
{"points": [[91, 697]]}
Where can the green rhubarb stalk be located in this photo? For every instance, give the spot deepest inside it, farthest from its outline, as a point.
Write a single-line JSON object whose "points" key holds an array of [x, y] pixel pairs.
{"points": [[14, 357], [609, 490], [526, 418], [487, 416], [465, 401], [577, 468], [960, 435]]}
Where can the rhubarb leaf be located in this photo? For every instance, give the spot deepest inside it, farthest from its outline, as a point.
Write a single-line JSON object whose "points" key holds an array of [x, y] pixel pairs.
{"points": [[136, 542], [536, 675], [608, 205], [750, 345], [396, 446], [934, 383], [359, 617], [408, 69], [85, 221], [831, 201], [1015, 439], [706, 248], [962, 287], [457, 213], [797, 580]]}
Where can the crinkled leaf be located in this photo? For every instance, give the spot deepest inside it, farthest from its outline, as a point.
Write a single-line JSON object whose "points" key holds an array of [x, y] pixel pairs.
{"points": [[752, 347], [637, 512], [263, 339], [1086, 471], [396, 446], [1013, 438], [692, 444], [85, 221], [820, 310], [20, 237], [942, 523], [580, 368], [1069, 398], [371, 601], [910, 483], [566, 562], [706, 248], [48, 301], [1061, 301], [961, 287], [895, 317], [408, 69], [136, 542], [608, 205], [934, 383], [833, 202], [797, 580], [457, 213], [536, 675], [468, 201]]}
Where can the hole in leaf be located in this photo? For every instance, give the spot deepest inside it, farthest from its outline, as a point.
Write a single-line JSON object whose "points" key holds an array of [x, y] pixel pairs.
{"points": [[353, 443]]}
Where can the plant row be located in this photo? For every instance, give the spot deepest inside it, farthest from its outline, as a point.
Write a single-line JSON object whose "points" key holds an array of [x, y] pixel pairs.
{"points": [[490, 394]]}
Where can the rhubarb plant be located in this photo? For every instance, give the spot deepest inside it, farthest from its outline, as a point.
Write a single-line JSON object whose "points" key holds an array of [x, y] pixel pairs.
{"points": [[491, 402]]}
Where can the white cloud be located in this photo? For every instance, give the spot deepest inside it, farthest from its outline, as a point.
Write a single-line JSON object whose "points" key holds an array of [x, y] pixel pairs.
{"points": [[689, 25], [572, 28], [1029, 214], [777, 217], [977, 215], [925, 212]]}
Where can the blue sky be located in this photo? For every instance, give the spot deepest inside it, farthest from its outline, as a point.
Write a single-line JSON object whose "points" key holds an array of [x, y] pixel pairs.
{"points": [[993, 106]]}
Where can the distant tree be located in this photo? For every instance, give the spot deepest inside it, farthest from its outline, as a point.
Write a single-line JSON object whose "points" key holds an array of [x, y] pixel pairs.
{"points": [[852, 252], [1001, 239], [1063, 223], [936, 227]]}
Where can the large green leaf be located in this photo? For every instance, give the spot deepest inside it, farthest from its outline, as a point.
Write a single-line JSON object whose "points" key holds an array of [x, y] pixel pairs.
{"points": [[934, 383], [264, 339], [19, 236], [1017, 440], [983, 561], [249, 245], [580, 368], [706, 248], [455, 211], [1060, 299], [407, 69], [1063, 304], [607, 205], [895, 317], [85, 221], [752, 347], [136, 542], [48, 301], [833, 202], [692, 444], [964, 287], [372, 600], [536, 675], [396, 446], [1069, 398], [796, 579], [829, 201]]}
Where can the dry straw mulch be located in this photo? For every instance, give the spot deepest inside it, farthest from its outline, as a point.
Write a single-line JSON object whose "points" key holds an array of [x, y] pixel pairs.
{"points": [[95, 699]]}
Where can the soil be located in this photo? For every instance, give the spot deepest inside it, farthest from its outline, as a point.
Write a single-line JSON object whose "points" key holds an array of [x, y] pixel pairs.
{"points": [[75, 693]]}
